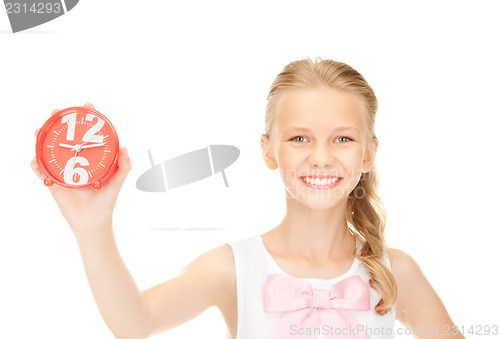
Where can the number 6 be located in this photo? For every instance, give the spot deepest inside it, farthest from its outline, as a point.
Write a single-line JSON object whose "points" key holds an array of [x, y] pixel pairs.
{"points": [[70, 171]]}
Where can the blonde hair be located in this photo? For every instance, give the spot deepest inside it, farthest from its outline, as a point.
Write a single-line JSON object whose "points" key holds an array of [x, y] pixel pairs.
{"points": [[365, 212]]}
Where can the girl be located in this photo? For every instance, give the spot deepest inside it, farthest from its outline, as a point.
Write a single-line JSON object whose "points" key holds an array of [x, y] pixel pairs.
{"points": [[323, 272]]}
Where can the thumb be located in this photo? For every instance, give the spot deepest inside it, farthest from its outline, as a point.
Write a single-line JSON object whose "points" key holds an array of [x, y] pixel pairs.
{"points": [[124, 167]]}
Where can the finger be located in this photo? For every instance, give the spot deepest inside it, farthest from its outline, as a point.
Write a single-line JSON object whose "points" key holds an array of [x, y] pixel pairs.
{"points": [[124, 161], [36, 169], [89, 105], [36, 132]]}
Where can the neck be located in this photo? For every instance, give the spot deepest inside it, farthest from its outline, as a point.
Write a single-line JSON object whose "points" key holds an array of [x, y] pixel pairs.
{"points": [[316, 235]]}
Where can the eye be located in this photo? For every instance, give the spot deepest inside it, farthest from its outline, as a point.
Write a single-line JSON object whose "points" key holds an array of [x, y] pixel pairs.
{"points": [[295, 138], [344, 137]]}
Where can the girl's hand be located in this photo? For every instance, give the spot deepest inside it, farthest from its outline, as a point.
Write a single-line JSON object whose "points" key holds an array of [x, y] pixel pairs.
{"points": [[84, 209]]}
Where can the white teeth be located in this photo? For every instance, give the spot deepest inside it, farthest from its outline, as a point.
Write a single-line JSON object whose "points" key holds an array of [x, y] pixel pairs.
{"points": [[320, 182]]}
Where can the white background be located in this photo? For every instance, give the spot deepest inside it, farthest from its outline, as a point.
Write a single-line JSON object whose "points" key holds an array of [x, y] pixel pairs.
{"points": [[174, 77]]}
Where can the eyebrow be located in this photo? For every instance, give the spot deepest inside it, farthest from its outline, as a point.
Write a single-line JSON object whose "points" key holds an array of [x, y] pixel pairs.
{"points": [[340, 128]]}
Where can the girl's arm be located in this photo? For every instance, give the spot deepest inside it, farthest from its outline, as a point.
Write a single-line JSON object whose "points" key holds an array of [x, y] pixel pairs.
{"points": [[128, 312], [132, 314], [418, 307]]}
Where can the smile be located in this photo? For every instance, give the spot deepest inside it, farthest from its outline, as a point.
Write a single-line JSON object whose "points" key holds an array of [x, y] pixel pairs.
{"points": [[321, 183]]}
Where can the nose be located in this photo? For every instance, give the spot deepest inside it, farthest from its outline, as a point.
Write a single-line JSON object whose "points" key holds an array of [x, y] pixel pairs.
{"points": [[321, 155]]}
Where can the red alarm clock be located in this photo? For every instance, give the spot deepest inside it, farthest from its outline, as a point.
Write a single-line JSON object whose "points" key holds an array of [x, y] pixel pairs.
{"points": [[77, 148]]}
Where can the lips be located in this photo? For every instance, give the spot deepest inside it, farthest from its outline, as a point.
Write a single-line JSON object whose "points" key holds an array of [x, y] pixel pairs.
{"points": [[320, 176]]}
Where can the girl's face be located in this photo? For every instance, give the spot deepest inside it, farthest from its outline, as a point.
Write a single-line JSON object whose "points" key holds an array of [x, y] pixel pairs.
{"points": [[318, 136]]}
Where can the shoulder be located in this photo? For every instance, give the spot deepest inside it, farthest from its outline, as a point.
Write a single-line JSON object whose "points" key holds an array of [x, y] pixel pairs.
{"points": [[414, 291], [217, 261], [222, 254], [402, 262], [405, 269], [408, 275], [216, 268]]}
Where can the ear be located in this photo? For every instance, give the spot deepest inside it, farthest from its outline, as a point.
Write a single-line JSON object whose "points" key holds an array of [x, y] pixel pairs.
{"points": [[369, 160], [267, 152]]}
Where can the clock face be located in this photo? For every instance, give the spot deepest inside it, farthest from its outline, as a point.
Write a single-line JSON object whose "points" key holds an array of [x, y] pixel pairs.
{"points": [[77, 148]]}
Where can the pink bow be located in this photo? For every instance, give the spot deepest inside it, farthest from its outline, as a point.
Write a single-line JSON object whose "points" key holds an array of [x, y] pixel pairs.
{"points": [[309, 311]]}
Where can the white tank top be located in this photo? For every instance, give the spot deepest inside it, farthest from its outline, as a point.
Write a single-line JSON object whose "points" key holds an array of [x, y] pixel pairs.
{"points": [[253, 263]]}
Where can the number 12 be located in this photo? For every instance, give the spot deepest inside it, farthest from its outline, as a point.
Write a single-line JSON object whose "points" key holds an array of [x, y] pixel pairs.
{"points": [[90, 135]]}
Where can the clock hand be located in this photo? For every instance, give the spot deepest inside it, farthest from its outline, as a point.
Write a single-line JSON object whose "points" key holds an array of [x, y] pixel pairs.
{"points": [[95, 136], [68, 146], [76, 152], [76, 147], [81, 146], [93, 145]]}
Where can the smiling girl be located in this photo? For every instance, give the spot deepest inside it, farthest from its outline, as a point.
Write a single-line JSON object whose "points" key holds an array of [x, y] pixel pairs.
{"points": [[324, 272]]}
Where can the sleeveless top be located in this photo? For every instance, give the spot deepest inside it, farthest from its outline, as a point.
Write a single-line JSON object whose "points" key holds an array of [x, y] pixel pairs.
{"points": [[253, 263]]}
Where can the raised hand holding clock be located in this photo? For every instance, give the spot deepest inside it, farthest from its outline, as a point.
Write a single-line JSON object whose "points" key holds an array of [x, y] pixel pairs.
{"points": [[84, 178]]}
